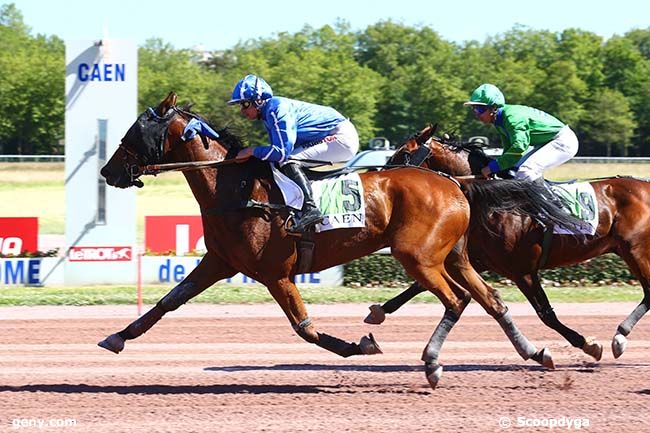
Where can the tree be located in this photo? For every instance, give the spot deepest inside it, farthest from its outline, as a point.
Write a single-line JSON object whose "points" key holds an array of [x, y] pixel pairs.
{"points": [[585, 50], [628, 71], [315, 65], [31, 88], [607, 126], [162, 69], [562, 92]]}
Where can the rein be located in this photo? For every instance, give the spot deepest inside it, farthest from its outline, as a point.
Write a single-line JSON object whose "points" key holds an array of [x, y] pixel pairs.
{"points": [[154, 169]]}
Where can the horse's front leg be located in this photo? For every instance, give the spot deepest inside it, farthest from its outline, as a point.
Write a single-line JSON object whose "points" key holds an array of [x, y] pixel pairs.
{"points": [[378, 312], [210, 270], [287, 296]]}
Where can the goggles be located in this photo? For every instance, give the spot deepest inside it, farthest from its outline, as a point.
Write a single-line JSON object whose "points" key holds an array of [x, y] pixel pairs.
{"points": [[245, 104], [480, 109]]}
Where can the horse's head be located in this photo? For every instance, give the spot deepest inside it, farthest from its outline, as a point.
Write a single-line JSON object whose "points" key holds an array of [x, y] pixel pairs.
{"points": [[414, 146], [144, 143], [155, 138], [440, 154]]}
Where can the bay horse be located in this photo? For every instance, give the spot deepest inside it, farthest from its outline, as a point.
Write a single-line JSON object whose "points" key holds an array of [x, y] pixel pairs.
{"points": [[422, 216], [513, 246]]}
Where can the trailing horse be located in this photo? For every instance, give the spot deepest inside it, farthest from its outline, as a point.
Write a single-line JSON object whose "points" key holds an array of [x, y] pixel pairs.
{"points": [[422, 216], [517, 247]]}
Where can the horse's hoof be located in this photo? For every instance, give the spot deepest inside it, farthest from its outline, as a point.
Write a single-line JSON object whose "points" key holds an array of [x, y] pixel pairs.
{"points": [[433, 372], [593, 348], [544, 358], [376, 316], [619, 343], [369, 346], [113, 342]]}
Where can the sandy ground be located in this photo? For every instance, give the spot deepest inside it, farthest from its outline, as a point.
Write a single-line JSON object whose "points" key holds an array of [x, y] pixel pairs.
{"points": [[241, 369]]}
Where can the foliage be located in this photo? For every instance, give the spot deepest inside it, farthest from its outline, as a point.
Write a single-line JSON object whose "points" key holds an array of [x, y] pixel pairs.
{"points": [[32, 74], [384, 271], [390, 79]]}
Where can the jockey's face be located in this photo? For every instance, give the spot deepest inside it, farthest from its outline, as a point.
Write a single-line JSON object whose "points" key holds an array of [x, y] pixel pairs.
{"points": [[248, 110], [484, 113]]}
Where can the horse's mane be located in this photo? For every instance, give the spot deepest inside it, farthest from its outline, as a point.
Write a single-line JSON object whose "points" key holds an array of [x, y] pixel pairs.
{"points": [[227, 138], [519, 197]]}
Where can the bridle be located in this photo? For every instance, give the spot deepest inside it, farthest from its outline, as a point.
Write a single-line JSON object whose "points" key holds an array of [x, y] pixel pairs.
{"points": [[134, 170], [136, 167]]}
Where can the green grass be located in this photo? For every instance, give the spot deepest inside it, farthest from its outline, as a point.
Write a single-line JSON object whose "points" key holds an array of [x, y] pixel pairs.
{"points": [[226, 294]]}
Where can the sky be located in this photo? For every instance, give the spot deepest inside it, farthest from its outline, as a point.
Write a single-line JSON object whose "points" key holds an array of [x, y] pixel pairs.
{"points": [[220, 24]]}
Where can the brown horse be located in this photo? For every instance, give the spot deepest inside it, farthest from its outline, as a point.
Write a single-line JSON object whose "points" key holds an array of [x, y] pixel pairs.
{"points": [[421, 215], [512, 246]]}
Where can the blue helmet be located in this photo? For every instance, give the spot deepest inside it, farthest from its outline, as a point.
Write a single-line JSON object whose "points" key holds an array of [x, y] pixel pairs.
{"points": [[251, 88]]}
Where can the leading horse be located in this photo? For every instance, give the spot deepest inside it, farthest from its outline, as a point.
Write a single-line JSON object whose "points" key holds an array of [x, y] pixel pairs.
{"points": [[514, 247], [422, 216]]}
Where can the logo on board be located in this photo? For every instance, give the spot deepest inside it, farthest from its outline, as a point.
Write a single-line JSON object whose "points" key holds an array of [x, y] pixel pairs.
{"points": [[101, 72]]}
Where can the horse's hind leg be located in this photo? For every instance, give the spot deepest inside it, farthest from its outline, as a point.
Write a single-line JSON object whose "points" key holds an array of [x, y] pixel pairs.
{"points": [[640, 267], [286, 294], [531, 287], [433, 279], [210, 270], [461, 271]]}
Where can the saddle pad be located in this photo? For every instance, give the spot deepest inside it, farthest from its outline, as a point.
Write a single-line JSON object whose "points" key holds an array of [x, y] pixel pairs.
{"points": [[580, 200], [341, 200], [291, 193]]}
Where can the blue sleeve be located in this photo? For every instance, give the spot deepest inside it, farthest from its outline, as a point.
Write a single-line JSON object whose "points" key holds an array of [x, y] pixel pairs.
{"points": [[281, 126], [494, 166]]}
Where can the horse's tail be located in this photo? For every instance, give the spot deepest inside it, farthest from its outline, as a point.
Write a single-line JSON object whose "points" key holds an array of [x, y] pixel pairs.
{"points": [[532, 199]]}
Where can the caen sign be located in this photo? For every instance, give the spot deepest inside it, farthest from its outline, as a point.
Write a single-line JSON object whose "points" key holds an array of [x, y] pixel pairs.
{"points": [[18, 235]]}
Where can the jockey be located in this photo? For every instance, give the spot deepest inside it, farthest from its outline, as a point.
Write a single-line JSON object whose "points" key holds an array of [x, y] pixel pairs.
{"points": [[297, 130], [520, 127]]}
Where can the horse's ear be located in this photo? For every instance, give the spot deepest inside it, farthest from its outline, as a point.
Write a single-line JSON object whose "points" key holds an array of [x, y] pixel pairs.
{"points": [[424, 135], [166, 104]]}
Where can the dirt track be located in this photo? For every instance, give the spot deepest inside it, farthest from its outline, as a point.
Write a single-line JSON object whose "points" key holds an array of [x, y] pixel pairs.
{"points": [[241, 369]]}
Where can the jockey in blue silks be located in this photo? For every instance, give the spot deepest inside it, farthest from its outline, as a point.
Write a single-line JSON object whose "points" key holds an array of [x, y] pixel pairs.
{"points": [[297, 130]]}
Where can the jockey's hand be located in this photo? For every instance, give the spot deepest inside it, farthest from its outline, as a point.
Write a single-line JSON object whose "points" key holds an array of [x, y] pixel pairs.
{"points": [[486, 172], [244, 155]]}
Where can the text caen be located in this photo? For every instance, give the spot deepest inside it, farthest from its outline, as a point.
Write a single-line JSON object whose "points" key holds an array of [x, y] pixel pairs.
{"points": [[101, 72]]}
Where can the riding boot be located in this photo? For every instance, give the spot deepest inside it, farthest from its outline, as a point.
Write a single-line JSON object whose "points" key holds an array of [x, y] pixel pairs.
{"points": [[310, 214]]}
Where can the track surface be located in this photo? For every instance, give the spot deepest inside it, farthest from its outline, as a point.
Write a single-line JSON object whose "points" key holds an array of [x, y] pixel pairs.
{"points": [[241, 369]]}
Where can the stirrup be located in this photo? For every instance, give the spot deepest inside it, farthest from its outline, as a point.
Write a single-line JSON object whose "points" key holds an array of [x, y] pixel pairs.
{"points": [[304, 224]]}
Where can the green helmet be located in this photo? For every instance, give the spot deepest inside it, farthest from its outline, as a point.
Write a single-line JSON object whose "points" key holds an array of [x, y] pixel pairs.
{"points": [[487, 94]]}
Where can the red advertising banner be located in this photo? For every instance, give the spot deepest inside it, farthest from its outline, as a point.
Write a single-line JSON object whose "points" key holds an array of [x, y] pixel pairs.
{"points": [[18, 235], [100, 254], [176, 234]]}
